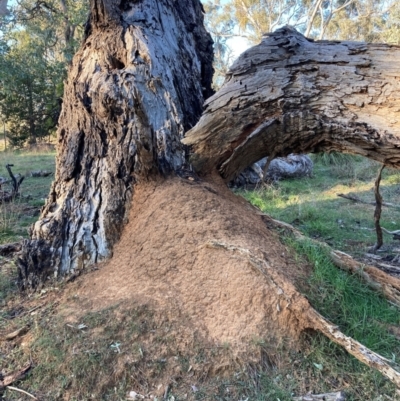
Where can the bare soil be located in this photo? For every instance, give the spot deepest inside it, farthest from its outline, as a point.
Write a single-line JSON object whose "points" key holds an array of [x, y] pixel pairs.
{"points": [[174, 256]]}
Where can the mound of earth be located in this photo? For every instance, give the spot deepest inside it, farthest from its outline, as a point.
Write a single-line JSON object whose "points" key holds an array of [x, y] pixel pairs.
{"points": [[194, 252], [199, 288]]}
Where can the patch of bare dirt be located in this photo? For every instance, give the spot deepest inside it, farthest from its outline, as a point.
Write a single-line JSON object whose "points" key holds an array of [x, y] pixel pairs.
{"points": [[194, 253]]}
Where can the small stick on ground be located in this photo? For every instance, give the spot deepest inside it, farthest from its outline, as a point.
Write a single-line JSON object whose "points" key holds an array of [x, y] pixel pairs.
{"points": [[378, 210], [21, 391], [16, 333], [356, 199]]}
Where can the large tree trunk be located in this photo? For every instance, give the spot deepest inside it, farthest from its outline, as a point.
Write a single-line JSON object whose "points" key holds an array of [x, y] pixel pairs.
{"points": [[292, 95], [135, 86]]}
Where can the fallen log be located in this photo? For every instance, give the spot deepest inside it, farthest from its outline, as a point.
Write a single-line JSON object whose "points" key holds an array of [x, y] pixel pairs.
{"points": [[293, 95], [292, 166], [40, 173]]}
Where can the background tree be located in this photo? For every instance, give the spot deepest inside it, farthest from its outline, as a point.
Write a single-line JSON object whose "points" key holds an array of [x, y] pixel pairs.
{"points": [[222, 28], [37, 42], [362, 20], [30, 89]]}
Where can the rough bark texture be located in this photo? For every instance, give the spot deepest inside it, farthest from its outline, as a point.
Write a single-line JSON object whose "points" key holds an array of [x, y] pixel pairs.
{"points": [[292, 95], [135, 86]]}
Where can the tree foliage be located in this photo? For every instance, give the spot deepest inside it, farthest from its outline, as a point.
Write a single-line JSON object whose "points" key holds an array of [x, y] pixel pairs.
{"points": [[361, 20], [37, 41]]}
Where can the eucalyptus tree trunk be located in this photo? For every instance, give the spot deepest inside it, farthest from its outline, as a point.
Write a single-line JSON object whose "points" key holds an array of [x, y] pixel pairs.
{"points": [[135, 86]]}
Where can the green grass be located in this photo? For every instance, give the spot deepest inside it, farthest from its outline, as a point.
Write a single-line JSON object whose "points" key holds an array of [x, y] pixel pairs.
{"points": [[17, 216], [344, 299], [312, 204]]}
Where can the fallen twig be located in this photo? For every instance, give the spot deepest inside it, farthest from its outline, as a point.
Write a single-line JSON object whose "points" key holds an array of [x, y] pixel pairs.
{"points": [[16, 333], [21, 391], [355, 198], [395, 232], [166, 392]]}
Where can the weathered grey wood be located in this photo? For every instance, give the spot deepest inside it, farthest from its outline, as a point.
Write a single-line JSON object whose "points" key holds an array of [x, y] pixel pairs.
{"points": [[292, 166], [289, 94], [135, 86], [340, 396]]}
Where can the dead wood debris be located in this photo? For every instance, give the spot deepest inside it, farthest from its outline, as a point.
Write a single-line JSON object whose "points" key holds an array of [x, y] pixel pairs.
{"points": [[378, 210], [40, 173], [9, 249], [375, 278], [340, 396], [16, 180], [298, 304], [356, 199], [7, 380], [19, 332]]}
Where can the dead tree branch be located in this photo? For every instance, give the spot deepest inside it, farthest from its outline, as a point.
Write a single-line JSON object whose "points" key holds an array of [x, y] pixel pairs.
{"points": [[290, 95], [375, 278], [378, 210], [17, 181], [356, 199]]}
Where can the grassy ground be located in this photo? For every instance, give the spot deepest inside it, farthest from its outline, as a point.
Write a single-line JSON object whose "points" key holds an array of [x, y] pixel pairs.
{"points": [[17, 216], [113, 353], [312, 204]]}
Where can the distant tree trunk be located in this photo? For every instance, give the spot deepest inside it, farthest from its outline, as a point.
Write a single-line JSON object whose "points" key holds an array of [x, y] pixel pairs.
{"points": [[32, 128], [135, 86], [292, 95]]}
